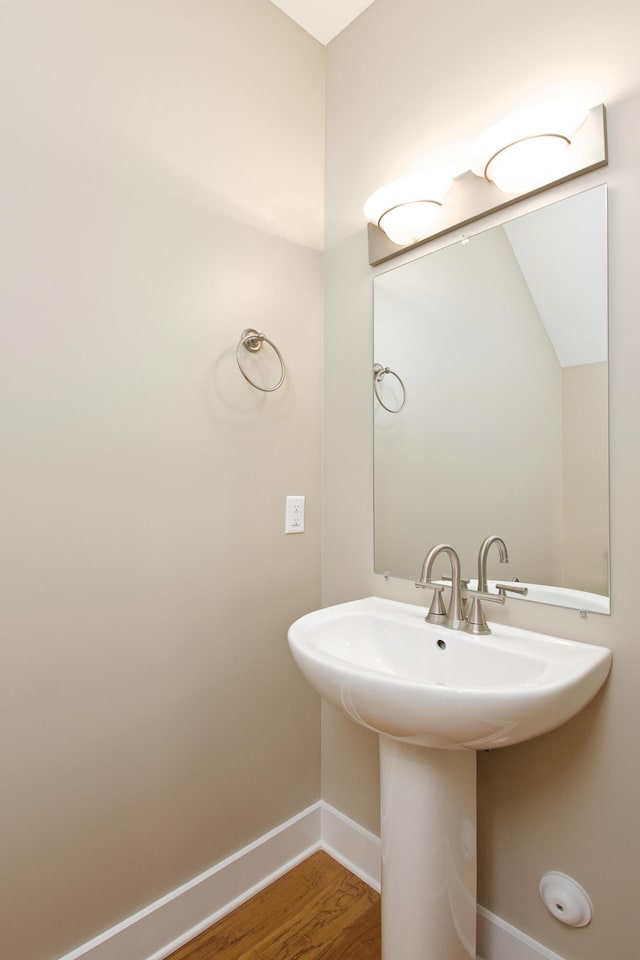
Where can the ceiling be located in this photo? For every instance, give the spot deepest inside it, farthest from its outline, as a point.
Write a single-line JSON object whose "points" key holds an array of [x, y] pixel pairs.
{"points": [[323, 19]]}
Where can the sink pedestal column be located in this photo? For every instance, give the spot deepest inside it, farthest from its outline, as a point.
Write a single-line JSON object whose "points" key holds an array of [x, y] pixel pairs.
{"points": [[428, 829]]}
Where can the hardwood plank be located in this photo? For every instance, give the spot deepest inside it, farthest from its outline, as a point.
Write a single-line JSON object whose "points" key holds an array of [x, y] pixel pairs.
{"points": [[323, 918], [277, 905], [362, 940], [317, 910]]}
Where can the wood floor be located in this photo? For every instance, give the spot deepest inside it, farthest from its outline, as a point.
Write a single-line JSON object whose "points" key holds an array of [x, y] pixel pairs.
{"points": [[317, 911]]}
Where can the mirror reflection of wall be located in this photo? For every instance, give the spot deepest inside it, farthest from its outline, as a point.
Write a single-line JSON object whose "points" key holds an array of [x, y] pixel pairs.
{"points": [[501, 342]]}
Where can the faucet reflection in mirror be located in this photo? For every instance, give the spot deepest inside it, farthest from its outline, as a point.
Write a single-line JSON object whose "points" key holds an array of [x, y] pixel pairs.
{"points": [[548, 141], [484, 553]]}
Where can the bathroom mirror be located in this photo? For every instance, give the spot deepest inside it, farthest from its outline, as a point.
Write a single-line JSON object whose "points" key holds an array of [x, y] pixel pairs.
{"points": [[500, 344]]}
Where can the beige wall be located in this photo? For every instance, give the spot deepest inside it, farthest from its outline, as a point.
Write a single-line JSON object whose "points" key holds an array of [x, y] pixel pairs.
{"points": [[407, 77], [161, 190]]}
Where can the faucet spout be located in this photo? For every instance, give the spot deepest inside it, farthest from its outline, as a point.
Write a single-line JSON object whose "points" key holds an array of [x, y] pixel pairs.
{"points": [[482, 559], [455, 618]]}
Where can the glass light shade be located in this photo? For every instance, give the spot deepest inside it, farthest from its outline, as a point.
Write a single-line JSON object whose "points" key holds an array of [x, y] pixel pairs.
{"points": [[409, 222], [527, 164], [406, 208], [525, 150]]}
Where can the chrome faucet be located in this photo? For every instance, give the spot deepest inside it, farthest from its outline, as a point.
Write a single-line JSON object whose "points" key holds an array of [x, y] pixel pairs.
{"points": [[482, 559], [455, 619]]}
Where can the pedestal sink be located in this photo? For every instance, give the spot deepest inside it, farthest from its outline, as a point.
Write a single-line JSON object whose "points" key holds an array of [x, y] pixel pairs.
{"points": [[436, 696]]}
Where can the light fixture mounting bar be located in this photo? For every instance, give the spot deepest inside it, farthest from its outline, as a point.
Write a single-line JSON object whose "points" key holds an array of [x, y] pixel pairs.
{"points": [[471, 198]]}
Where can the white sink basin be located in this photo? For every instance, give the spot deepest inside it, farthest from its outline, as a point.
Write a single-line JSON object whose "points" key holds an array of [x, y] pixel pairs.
{"points": [[392, 672]]}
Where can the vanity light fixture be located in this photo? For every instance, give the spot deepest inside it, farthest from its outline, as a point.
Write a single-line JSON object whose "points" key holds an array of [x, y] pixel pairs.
{"points": [[406, 209], [528, 148], [545, 144]]}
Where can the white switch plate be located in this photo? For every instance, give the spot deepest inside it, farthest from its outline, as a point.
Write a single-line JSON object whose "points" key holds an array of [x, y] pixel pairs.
{"points": [[294, 515]]}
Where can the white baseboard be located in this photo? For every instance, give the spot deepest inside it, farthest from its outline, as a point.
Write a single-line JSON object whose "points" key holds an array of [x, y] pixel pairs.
{"points": [[167, 924], [498, 940], [351, 845]]}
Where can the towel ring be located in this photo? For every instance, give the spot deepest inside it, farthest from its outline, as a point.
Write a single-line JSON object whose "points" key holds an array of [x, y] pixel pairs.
{"points": [[252, 341], [379, 373]]}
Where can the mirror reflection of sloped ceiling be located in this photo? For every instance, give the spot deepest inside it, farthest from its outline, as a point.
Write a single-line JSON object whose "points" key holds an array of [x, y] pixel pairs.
{"points": [[564, 264]]}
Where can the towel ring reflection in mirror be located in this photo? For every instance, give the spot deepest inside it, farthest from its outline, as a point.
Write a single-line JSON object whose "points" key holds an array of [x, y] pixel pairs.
{"points": [[379, 373], [252, 341]]}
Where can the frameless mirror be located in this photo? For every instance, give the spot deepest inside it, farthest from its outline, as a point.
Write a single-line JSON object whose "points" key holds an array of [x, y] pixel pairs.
{"points": [[499, 346]]}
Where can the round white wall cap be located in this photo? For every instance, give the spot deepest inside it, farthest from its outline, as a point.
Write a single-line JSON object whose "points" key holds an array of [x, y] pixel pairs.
{"points": [[565, 899]]}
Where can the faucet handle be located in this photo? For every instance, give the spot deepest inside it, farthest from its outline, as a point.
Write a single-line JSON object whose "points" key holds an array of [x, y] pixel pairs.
{"points": [[476, 622], [503, 587], [492, 597], [437, 611], [481, 595], [429, 585]]}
